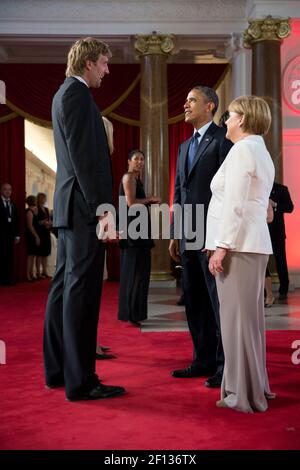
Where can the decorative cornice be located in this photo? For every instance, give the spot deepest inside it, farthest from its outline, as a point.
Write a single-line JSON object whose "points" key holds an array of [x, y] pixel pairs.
{"points": [[154, 44], [267, 29]]}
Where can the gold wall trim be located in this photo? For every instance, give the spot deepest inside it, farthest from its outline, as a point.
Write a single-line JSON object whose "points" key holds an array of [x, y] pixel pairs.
{"points": [[267, 29], [122, 97], [131, 122], [29, 117], [8, 117]]}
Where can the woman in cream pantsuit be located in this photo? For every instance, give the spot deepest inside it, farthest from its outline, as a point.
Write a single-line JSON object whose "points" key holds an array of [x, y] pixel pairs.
{"points": [[238, 235]]}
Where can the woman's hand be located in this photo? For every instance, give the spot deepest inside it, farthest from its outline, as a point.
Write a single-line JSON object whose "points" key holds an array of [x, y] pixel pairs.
{"points": [[215, 261], [155, 200]]}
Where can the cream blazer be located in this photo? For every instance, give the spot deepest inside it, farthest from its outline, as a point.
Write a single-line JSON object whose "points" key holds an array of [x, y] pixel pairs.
{"points": [[237, 213]]}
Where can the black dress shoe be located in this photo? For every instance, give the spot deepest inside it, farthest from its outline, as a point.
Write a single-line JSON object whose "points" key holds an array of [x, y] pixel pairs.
{"points": [[105, 356], [180, 301], [282, 297], [191, 372], [135, 323], [214, 381], [55, 385], [101, 391]]}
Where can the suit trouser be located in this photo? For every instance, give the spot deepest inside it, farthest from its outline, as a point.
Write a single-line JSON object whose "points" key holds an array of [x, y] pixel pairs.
{"points": [[202, 310], [7, 259], [72, 310], [281, 265]]}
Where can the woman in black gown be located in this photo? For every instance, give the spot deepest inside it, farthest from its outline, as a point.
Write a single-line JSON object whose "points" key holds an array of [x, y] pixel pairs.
{"points": [[44, 250], [135, 254]]}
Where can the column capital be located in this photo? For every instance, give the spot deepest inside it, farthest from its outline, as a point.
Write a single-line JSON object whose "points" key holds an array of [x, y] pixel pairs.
{"points": [[154, 44], [267, 29]]}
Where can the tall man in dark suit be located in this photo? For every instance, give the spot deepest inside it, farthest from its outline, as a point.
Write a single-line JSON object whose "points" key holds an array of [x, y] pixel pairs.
{"points": [[83, 182], [9, 235], [281, 202], [198, 160]]}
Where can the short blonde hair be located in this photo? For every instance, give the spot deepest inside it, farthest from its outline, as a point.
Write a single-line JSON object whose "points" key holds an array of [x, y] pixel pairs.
{"points": [[256, 112], [109, 129], [83, 50]]}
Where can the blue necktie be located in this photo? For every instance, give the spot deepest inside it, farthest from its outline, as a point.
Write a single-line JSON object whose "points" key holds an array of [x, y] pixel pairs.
{"points": [[193, 148]]}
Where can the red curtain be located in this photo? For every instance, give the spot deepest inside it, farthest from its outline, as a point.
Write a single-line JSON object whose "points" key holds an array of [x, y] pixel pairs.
{"points": [[12, 170]]}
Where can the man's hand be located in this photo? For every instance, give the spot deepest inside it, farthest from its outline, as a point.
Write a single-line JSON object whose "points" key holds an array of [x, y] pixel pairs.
{"points": [[215, 261], [174, 250], [155, 200], [106, 229]]}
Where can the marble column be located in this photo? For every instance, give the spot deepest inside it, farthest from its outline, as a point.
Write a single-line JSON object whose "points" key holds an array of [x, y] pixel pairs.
{"points": [[153, 51], [240, 59], [265, 37]]}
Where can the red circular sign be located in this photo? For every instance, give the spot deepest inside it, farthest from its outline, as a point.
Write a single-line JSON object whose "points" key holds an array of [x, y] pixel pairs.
{"points": [[291, 84]]}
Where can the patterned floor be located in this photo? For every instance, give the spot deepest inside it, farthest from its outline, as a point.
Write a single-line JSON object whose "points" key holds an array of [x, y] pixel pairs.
{"points": [[165, 315]]}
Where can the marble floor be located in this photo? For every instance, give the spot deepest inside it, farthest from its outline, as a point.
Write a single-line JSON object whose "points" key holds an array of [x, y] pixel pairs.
{"points": [[165, 315]]}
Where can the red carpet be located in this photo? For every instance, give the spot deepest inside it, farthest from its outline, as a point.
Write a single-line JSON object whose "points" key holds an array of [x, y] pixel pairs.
{"points": [[158, 412]]}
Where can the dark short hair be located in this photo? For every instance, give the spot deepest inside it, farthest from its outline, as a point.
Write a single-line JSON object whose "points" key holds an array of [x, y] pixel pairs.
{"points": [[31, 200], [223, 119], [210, 95], [133, 152]]}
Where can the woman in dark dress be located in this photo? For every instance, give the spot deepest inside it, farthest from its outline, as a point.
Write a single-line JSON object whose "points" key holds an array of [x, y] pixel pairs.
{"points": [[44, 249], [135, 254], [31, 235]]}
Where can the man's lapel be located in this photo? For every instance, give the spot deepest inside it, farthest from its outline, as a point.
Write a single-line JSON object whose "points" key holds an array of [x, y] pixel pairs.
{"points": [[185, 150], [206, 140]]}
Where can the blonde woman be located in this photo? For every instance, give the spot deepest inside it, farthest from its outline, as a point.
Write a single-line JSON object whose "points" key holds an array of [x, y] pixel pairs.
{"points": [[238, 235]]}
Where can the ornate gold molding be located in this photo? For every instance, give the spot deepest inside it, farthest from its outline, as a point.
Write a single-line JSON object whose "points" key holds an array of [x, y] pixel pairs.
{"points": [[154, 44], [268, 29]]}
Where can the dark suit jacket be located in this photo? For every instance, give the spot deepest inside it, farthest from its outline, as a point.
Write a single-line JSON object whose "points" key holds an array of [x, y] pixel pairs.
{"points": [[194, 188], [83, 159], [281, 195], [8, 230]]}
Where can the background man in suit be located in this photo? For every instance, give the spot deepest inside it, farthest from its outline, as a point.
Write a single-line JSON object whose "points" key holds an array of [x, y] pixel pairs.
{"points": [[83, 182], [9, 235], [198, 160], [281, 202]]}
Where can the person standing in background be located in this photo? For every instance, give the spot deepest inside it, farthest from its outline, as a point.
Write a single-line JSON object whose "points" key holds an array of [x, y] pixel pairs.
{"points": [[282, 203], [135, 258], [9, 235], [44, 249]]}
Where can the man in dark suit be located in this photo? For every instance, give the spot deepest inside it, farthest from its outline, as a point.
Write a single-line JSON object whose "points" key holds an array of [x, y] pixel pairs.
{"points": [[9, 235], [198, 160], [281, 202], [83, 182]]}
